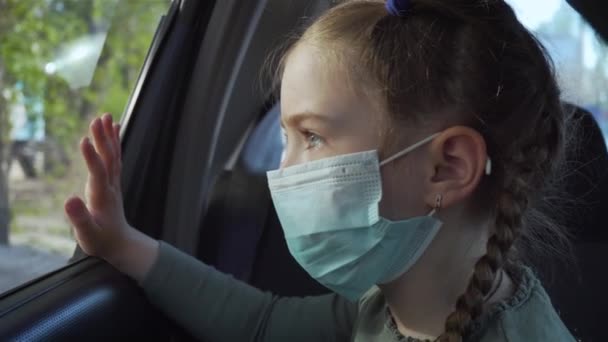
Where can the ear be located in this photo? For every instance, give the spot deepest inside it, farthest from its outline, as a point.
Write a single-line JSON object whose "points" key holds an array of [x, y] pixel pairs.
{"points": [[459, 158]]}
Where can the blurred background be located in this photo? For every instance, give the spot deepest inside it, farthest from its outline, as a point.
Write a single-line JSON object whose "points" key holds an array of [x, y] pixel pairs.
{"points": [[61, 63]]}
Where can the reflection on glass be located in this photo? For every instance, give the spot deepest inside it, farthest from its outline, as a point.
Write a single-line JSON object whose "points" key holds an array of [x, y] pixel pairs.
{"points": [[77, 60]]}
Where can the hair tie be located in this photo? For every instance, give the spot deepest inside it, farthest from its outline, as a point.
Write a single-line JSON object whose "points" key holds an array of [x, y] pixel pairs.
{"points": [[397, 8]]}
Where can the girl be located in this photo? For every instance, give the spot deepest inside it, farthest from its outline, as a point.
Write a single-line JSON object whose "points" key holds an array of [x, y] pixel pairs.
{"points": [[419, 137]]}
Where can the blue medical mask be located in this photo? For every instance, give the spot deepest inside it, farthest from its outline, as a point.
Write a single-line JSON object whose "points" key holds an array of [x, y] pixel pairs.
{"points": [[329, 210]]}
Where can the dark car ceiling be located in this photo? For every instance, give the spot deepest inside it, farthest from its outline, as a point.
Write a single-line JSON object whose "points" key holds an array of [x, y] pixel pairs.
{"points": [[595, 12]]}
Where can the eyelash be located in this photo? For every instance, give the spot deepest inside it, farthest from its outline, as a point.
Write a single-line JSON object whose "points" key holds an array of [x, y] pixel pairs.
{"points": [[313, 140], [309, 139]]}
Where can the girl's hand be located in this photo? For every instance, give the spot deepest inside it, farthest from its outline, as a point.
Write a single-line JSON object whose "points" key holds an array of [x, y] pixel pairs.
{"points": [[100, 226]]}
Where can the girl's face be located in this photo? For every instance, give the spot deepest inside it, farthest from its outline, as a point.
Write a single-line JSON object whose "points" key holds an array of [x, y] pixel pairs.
{"points": [[324, 115]]}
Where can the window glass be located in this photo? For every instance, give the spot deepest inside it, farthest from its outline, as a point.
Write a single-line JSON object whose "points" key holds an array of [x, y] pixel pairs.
{"points": [[61, 63], [580, 56]]}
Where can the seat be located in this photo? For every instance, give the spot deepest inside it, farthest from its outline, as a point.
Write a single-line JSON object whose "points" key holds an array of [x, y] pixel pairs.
{"points": [[578, 289], [241, 234]]}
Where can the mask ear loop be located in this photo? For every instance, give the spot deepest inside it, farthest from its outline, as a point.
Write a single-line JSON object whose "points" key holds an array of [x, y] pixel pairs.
{"points": [[438, 200], [409, 149]]}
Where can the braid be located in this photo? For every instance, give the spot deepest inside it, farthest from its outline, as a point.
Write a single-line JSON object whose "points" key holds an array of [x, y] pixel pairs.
{"points": [[511, 206], [523, 172], [474, 63], [470, 304]]}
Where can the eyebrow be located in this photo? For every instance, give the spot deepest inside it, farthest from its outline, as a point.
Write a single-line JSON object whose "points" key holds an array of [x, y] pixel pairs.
{"points": [[299, 117]]}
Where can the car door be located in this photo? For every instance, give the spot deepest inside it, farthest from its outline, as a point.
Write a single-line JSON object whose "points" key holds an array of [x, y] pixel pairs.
{"points": [[87, 299], [194, 100]]}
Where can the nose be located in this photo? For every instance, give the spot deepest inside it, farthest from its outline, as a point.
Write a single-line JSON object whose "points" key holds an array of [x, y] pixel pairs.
{"points": [[289, 157], [283, 155], [286, 160]]}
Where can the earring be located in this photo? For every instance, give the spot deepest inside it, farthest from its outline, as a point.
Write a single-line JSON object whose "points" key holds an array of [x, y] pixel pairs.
{"points": [[438, 200]]}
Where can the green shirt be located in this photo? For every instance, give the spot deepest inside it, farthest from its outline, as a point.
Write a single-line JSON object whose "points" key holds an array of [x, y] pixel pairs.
{"points": [[216, 307]]}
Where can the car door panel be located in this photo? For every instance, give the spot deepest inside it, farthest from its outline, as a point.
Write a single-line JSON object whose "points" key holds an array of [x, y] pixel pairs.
{"points": [[88, 301]]}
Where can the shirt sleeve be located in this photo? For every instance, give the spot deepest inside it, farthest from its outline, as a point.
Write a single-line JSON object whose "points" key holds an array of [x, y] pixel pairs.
{"points": [[214, 306]]}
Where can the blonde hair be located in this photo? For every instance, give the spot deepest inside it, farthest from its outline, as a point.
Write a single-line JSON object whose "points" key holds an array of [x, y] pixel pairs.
{"points": [[474, 58]]}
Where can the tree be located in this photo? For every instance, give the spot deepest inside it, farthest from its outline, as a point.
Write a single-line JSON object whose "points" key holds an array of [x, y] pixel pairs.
{"points": [[33, 33]]}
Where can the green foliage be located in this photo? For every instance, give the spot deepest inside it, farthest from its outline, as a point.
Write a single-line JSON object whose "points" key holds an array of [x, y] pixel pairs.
{"points": [[32, 32]]}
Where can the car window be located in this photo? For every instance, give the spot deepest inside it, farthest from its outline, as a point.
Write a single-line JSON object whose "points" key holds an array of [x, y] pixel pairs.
{"points": [[580, 56], [61, 63]]}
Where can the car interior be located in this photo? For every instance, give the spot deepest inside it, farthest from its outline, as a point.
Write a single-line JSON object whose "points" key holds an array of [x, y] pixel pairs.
{"points": [[199, 135]]}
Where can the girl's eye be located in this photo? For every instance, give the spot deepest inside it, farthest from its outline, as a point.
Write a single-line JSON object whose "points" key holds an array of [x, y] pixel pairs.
{"points": [[313, 140]]}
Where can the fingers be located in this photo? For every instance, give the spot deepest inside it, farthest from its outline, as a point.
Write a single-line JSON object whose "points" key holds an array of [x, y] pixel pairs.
{"points": [[106, 137], [103, 143], [96, 166], [80, 217], [117, 139], [108, 127], [106, 147]]}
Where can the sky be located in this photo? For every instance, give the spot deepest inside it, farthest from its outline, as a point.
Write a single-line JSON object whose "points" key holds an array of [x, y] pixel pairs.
{"points": [[532, 13]]}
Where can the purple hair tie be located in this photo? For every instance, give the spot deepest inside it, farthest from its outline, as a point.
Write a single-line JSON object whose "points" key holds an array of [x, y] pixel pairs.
{"points": [[397, 8]]}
